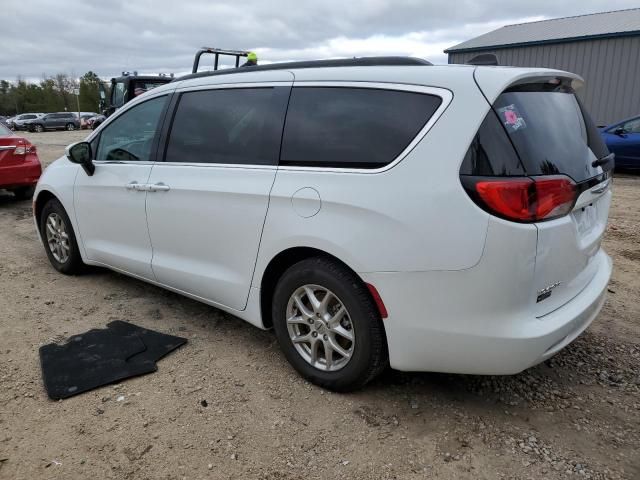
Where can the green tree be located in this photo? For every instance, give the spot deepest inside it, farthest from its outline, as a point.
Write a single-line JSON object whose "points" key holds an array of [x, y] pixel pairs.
{"points": [[89, 95]]}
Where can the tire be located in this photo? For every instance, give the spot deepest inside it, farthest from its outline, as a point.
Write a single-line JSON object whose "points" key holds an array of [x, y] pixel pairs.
{"points": [[70, 127], [38, 128], [24, 193], [367, 350], [72, 264]]}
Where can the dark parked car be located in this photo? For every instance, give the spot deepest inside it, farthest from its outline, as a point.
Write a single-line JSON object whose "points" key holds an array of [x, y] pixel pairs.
{"points": [[54, 121], [623, 139]]}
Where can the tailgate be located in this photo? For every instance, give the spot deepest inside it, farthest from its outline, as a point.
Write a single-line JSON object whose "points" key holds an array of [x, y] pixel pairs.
{"points": [[554, 136]]}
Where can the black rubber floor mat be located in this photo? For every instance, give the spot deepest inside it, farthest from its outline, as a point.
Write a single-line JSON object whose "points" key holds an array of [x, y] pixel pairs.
{"points": [[158, 344], [101, 357]]}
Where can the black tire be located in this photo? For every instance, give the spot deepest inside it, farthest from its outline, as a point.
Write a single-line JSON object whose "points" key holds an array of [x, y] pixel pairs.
{"points": [[369, 356], [24, 193], [73, 265], [70, 127]]}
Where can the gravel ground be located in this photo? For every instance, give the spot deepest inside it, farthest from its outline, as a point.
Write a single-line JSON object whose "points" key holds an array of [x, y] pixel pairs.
{"points": [[227, 405]]}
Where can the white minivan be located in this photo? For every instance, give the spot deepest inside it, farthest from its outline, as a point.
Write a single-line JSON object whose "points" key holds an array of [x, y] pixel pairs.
{"points": [[373, 212]]}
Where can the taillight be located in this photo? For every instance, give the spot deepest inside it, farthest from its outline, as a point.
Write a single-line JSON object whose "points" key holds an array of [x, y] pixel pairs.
{"points": [[523, 199], [22, 149]]}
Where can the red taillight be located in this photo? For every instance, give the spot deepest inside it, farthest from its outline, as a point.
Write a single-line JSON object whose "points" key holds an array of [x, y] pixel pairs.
{"points": [[527, 199]]}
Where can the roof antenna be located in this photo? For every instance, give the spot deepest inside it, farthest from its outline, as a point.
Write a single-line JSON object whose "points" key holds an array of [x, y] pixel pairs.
{"points": [[484, 59]]}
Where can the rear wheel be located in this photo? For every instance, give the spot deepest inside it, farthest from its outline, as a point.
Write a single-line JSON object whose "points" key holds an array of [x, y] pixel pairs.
{"points": [[59, 239], [70, 127], [38, 128], [24, 193], [328, 326]]}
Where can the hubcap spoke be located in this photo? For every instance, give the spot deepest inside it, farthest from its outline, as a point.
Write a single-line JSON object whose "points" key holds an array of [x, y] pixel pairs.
{"points": [[57, 238]]}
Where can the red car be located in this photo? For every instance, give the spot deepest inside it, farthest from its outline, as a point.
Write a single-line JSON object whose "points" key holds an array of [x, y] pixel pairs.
{"points": [[20, 166]]}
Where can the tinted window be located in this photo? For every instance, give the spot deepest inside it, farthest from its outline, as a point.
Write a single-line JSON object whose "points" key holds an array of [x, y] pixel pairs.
{"points": [[550, 132], [4, 131], [235, 126], [491, 152], [352, 127], [131, 135]]}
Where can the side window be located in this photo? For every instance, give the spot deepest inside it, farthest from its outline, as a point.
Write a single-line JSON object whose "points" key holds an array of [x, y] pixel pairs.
{"points": [[228, 126], [352, 127], [130, 136], [633, 126]]}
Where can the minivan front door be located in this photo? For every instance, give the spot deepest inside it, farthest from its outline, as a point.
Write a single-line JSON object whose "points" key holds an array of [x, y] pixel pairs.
{"points": [[208, 200], [110, 204]]}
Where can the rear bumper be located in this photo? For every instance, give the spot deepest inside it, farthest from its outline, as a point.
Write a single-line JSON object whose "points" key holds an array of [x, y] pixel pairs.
{"points": [[24, 174], [434, 327]]}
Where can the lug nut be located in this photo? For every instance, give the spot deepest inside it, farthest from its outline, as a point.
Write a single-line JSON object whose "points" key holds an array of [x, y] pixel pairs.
{"points": [[325, 337], [314, 334], [311, 321]]}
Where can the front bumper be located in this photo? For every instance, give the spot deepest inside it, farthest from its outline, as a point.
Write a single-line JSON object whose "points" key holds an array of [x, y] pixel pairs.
{"points": [[436, 322]]}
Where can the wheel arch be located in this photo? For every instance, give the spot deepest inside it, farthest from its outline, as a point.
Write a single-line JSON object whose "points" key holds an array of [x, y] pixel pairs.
{"points": [[40, 201], [279, 264]]}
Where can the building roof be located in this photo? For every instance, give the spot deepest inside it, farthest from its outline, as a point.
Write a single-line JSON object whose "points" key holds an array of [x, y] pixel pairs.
{"points": [[557, 30]]}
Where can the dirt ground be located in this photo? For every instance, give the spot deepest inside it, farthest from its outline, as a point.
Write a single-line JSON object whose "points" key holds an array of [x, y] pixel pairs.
{"points": [[227, 405]]}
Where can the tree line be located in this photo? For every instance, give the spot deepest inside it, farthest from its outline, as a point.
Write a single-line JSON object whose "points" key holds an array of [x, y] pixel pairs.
{"points": [[52, 94]]}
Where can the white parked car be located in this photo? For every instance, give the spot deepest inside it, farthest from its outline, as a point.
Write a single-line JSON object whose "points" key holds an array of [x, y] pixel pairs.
{"points": [[372, 211]]}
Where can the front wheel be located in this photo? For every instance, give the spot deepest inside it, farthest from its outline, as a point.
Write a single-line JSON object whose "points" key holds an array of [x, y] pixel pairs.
{"points": [[328, 326], [38, 128], [70, 127], [59, 239]]}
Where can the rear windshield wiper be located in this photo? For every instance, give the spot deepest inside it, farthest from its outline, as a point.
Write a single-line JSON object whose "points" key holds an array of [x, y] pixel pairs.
{"points": [[602, 161]]}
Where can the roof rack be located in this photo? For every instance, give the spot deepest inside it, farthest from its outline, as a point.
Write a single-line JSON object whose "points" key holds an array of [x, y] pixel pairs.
{"points": [[217, 52], [344, 62]]}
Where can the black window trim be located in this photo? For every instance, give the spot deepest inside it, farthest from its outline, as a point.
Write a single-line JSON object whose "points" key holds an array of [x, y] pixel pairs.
{"points": [[123, 110], [173, 108], [445, 95]]}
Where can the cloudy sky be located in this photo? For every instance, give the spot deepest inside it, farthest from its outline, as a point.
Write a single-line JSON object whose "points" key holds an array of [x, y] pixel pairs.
{"points": [[44, 37]]}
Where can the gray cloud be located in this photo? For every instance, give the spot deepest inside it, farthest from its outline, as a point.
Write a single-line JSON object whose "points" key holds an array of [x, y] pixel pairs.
{"points": [[48, 36]]}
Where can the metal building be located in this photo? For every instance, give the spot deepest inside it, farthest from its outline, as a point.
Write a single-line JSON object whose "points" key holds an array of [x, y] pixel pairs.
{"points": [[603, 48]]}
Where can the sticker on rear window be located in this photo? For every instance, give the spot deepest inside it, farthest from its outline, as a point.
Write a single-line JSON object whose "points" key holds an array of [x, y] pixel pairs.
{"points": [[511, 118]]}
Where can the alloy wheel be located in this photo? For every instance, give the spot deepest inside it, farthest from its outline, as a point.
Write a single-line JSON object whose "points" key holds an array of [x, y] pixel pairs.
{"points": [[57, 238], [320, 328]]}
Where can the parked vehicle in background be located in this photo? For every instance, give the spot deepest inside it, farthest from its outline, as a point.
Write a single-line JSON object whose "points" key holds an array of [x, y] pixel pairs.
{"points": [[19, 121], [3, 119], [85, 120], [96, 121], [20, 167], [374, 212], [54, 121], [623, 139]]}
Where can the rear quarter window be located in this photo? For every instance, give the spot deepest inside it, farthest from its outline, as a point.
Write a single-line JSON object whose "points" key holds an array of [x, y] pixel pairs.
{"points": [[352, 127]]}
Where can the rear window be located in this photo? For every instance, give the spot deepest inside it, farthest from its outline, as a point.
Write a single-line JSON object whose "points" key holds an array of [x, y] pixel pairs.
{"points": [[352, 127], [549, 130]]}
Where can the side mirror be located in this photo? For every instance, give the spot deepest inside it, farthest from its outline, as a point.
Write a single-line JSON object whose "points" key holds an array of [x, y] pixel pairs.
{"points": [[80, 153], [619, 131]]}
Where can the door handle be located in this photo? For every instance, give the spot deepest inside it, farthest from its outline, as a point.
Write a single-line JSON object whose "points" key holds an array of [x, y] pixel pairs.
{"points": [[159, 187], [133, 186]]}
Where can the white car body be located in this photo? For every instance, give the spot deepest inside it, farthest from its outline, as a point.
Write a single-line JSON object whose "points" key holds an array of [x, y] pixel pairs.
{"points": [[459, 284]]}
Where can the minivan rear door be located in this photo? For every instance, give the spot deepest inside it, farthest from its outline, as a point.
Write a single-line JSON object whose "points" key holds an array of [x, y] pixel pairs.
{"points": [[553, 135]]}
